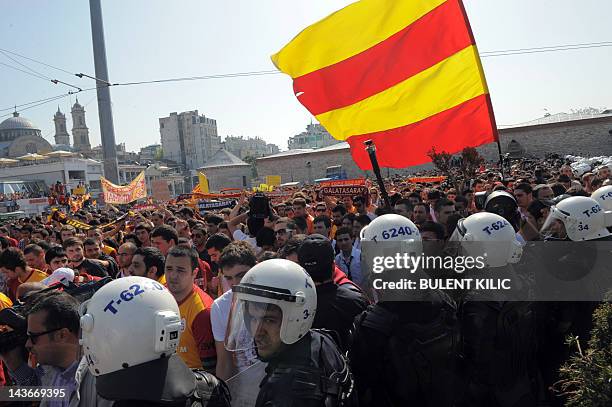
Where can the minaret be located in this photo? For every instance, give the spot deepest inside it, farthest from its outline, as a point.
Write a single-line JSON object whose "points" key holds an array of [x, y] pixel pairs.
{"points": [[80, 132], [61, 134]]}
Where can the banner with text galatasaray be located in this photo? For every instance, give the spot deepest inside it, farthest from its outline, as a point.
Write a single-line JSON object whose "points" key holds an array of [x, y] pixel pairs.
{"points": [[123, 194], [345, 187]]}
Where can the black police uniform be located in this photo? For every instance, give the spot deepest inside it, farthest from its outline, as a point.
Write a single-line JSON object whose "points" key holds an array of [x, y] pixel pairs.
{"points": [[499, 347], [337, 307], [569, 261], [405, 353], [163, 382], [308, 373]]}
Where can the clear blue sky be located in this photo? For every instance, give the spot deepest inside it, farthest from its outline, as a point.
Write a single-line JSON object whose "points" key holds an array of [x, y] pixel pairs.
{"points": [[155, 39]]}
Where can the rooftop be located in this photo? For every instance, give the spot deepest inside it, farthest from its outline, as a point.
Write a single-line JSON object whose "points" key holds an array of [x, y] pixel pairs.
{"points": [[559, 118], [342, 145], [16, 122], [223, 158]]}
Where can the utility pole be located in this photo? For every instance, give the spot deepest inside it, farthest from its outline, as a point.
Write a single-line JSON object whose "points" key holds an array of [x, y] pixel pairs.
{"points": [[105, 113]]}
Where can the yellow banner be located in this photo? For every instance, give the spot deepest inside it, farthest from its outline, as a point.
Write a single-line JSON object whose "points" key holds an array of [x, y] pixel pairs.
{"points": [[123, 194], [273, 180]]}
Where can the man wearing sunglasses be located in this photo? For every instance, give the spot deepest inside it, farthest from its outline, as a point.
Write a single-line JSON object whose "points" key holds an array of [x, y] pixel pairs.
{"points": [[53, 338], [283, 230]]}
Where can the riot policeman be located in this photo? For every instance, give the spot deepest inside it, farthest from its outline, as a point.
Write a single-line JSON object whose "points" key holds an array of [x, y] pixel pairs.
{"points": [[272, 313], [576, 233], [404, 352], [498, 331], [130, 331]]}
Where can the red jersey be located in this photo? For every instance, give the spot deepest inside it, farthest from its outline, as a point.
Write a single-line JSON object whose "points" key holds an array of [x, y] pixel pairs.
{"points": [[197, 344], [341, 278]]}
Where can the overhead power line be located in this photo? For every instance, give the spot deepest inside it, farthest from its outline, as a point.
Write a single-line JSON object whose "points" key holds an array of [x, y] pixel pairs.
{"points": [[25, 72], [484, 54], [544, 49], [30, 103], [25, 66], [37, 61], [34, 104], [197, 78]]}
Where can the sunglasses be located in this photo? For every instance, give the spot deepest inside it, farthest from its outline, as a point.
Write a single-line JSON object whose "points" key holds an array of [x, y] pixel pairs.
{"points": [[33, 337]]}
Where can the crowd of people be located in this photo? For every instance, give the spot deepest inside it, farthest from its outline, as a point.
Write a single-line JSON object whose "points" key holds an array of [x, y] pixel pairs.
{"points": [[283, 283]]}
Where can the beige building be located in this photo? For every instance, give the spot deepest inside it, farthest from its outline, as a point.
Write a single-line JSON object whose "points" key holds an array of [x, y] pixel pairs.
{"points": [[249, 147], [315, 136], [189, 139], [80, 132], [225, 170], [563, 134], [174, 179], [97, 153]]}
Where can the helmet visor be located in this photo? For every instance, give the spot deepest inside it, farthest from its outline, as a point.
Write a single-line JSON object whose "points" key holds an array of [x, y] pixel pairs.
{"points": [[253, 325], [554, 226]]}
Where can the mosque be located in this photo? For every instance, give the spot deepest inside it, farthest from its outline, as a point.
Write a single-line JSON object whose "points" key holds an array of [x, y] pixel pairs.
{"points": [[19, 136]]}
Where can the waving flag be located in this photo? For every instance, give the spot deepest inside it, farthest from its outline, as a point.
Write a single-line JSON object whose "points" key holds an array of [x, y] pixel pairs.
{"points": [[404, 73]]}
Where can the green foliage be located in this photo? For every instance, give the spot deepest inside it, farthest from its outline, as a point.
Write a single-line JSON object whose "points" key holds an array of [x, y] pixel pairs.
{"points": [[159, 154], [470, 162], [442, 160], [586, 378], [251, 160]]}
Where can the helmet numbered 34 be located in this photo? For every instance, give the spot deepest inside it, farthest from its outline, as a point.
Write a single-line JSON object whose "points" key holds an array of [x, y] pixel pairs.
{"points": [[577, 217]]}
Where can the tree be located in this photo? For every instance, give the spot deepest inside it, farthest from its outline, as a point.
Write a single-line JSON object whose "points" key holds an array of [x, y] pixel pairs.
{"points": [[251, 160], [585, 377], [471, 160], [442, 160]]}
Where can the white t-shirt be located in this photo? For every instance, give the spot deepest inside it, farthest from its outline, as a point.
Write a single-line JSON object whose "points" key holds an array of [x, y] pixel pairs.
{"points": [[240, 235], [219, 316]]}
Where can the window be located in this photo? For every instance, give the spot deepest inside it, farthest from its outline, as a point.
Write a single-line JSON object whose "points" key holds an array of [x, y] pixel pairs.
{"points": [[244, 184], [161, 125]]}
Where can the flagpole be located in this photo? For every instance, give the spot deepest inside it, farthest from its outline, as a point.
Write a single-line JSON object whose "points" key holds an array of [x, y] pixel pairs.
{"points": [[371, 149], [501, 158]]}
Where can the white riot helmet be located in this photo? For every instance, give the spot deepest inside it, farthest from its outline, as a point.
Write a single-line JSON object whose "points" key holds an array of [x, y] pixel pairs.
{"points": [[128, 322], [394, 228], [267, 288], [604, 197], [583, 218], [490, 236]]}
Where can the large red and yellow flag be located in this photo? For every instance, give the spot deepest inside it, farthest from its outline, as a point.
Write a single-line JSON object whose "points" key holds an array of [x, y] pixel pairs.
{"points": [[403, 73]]}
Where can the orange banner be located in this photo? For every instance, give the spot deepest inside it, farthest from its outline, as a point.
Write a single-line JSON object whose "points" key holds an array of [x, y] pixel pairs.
{"points": [[343, 182], [424, 180], [123, 194]]}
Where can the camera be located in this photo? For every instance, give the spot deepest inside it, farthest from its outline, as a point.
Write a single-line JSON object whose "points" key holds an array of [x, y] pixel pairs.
{"points": [[16, 316], [259, 206]]}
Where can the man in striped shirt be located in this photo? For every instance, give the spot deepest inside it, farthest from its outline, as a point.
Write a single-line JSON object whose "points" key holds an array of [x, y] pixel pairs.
{"points": [[197, 345]]}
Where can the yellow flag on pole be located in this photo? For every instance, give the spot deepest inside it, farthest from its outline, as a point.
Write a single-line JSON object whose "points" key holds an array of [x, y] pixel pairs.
{"points": [[203, 183]]}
